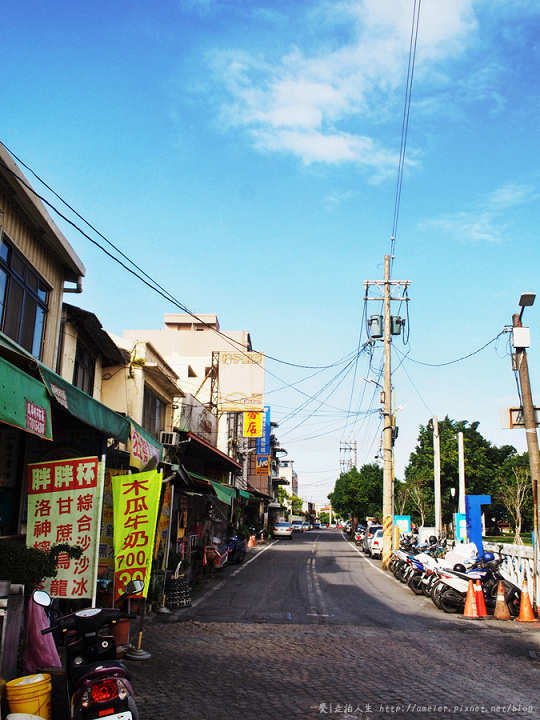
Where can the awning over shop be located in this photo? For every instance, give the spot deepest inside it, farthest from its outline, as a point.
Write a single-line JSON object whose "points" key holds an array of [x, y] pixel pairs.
{"points": [[86, 408], [25, 402], [215, 457], [244, 494], [225, 493]]}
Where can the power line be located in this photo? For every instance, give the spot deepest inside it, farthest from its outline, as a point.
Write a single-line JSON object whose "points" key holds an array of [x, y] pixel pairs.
{"points": [[150, 282], [405, 121]]}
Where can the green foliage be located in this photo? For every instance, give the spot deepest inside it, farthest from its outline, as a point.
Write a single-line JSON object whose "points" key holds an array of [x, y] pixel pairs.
{"points": [[28, 566], [297, 504], [483, 465], [283, 496], [359, 492]]}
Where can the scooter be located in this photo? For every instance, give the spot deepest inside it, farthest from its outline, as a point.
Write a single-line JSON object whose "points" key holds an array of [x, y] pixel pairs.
{"points": [[98, 684], [237, 547]]}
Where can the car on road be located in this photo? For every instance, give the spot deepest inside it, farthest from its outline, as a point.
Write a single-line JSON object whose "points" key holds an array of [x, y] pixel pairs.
{"points": [[376, 544], [297, 526], [306, 526], [282, 529], [316, 525], [368, 536], [324, 526]]}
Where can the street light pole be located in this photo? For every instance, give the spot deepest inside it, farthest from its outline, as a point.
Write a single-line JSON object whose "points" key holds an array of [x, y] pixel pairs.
{"points": [[522, 366]]}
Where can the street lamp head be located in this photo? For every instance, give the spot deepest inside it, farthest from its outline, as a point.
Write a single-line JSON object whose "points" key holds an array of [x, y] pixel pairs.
{"points": [[527, 299]]}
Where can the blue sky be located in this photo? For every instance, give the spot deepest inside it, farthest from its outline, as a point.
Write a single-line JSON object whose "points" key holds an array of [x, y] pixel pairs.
{"points": [[245, 155]]}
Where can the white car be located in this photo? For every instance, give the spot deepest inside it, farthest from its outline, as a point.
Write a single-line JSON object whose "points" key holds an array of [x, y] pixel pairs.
{"points": [[297, 526], [282, 529], [376, 544]]}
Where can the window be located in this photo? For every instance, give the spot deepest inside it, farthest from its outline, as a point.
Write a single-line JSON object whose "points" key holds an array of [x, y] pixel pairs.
{"points": [[85, 369], [153, 419], [24, 299]]}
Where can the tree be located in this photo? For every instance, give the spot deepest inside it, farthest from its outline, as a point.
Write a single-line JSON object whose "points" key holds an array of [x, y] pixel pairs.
{"points": [[513, 493], [482, 467], [358, 492], [296, 505]]}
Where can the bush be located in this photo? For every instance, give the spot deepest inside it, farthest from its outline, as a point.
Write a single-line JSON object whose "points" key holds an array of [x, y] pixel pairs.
{"points": [[29, 566]]}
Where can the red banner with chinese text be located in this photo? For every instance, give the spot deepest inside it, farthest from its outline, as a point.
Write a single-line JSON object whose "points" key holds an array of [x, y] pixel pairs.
{"points": [[64, 506]]}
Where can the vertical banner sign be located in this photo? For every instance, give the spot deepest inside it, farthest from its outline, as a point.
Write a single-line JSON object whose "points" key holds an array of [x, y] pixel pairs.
{"points": [[143, 455], [106, 544], [252, 424], [136, 505], [164, 526], [262, 444], [64, 506]]}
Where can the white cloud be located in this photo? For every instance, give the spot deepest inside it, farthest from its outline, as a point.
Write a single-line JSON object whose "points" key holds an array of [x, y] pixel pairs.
{"points": [[319, 103], [483, 223]]}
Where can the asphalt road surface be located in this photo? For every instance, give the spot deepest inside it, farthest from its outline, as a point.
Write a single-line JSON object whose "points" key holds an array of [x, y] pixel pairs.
{"points": [[310, 628]]}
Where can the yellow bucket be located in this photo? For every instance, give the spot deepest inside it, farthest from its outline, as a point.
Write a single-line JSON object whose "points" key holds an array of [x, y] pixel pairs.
{"points": [[31, 695]]}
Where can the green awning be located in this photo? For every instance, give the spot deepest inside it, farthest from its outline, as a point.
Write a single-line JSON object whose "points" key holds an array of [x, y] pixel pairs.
{"points": [[86, 408], [244, 494], [24, 402], [225, 493]]}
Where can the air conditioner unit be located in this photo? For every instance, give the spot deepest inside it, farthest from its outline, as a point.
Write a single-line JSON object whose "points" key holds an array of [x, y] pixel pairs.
{"points": [[169, 438]]}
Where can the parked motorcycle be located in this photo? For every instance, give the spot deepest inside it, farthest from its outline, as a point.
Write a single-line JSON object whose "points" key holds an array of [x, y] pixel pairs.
{"points": [[455, 585], [237, 547], [98, 684]]}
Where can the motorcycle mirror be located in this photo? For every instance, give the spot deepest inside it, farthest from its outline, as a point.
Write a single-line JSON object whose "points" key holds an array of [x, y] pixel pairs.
{"points": [[134, 587], [40, 597]]}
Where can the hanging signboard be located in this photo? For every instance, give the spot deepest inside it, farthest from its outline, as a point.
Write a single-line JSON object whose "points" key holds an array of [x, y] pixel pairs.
{"points": [[241, 381], [252, 424], [136, 505], [262, 444], [64, 506], [144, 454], [513, 418], [161, 549], [262, 465]]}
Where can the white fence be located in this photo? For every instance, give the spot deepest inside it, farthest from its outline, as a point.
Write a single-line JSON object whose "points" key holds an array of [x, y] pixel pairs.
{"points": [[518, 562]]}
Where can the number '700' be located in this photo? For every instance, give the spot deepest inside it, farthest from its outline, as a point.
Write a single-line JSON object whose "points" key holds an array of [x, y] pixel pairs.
{"points": [[132, 559]]}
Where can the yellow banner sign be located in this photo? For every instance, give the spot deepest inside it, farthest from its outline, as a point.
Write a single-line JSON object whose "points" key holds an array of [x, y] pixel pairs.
{"points": [[136, 505], [252, 424]]}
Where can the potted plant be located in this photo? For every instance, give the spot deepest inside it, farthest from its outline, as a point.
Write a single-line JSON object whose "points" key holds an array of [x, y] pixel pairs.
{"points": [[28, 566]]}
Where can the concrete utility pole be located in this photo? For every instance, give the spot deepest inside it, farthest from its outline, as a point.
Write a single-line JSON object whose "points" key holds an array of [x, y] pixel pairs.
{"points": [[522, 367], [386, 289], [461, 463], [437, 475]]}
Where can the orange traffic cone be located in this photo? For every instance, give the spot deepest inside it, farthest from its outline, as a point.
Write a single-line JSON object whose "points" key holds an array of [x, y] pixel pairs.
{"points": [[501, 608], [251, 542], [471, 610], [526, 613], [480, 602]]}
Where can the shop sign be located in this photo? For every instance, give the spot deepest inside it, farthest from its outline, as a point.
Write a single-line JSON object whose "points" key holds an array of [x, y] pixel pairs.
{"points": [[252, 424], [262, 444], [143, 455], [64, 506], [241, 381], [36, 419], [136, 505], [262, 465], [164, 526]]}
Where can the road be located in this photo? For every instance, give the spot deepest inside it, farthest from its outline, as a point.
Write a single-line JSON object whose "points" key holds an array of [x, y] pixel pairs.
{"points": [[310, 628]]}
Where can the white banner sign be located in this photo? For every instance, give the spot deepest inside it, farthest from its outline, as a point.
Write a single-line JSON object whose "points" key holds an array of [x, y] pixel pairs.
{"points": [[241, 381]]}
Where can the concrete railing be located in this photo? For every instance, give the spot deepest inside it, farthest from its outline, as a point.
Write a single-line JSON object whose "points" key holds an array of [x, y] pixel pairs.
{"points": [[518, 562]]}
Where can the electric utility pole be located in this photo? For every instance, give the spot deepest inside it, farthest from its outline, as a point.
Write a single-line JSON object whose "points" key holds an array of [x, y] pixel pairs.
{"points": [[388, 291], [522, 367]]}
